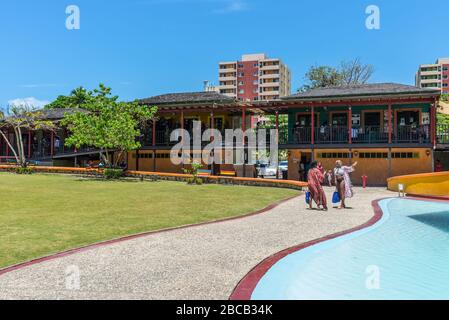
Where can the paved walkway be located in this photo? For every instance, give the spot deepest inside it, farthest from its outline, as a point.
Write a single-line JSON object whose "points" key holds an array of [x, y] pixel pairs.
{"points": [[204, 262]]}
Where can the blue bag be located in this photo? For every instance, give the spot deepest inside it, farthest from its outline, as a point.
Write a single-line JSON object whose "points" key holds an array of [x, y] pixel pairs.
{"points": [[308, 197], [336, 197]]}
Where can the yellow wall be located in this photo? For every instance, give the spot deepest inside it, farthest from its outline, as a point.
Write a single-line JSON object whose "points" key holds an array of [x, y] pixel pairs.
{"points": [[147, 164], [428, 184], [378, 170]]}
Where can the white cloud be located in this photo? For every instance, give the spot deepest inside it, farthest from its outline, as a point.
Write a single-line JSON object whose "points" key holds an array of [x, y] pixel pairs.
{"points": [[30, 102]]}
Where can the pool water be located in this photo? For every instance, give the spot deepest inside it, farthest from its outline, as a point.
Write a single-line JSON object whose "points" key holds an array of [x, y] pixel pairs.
{"points": [[403, 256]]}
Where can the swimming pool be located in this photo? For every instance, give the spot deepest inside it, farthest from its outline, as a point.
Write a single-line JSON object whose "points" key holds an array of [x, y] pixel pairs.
{"points": [[405, 255]]}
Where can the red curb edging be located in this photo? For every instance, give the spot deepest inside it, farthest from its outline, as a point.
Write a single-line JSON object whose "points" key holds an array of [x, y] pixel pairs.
{"points": [[135, 236], [246, 286]]}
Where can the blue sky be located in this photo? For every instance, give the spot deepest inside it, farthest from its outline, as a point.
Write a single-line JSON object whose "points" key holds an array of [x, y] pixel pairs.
{"points": [[146, 47]]}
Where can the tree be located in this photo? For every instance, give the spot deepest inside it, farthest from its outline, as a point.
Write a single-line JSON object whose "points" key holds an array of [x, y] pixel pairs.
{"points": [[107, 124], [320, 77], [22, 118], [349, 73], [76, 99], [354, 72]]}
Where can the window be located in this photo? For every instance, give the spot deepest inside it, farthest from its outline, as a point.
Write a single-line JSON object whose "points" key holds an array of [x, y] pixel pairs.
{"points": [[241, 74], [337, 155], [241, 83], [405, 155], [373, 155], [445, 85], [256, 82], [240, 65], [241, 91]]}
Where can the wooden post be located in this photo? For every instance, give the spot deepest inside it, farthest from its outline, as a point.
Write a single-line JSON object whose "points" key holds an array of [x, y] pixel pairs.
{"points": [[390, 129], [182, 135], [154, 145], [153, 142], [29, 144], [52, 141], [433, 122], [350, 125], [277, 141], [7, 145], [212, 138], [244, 141], [137, 160], [313, 124]]}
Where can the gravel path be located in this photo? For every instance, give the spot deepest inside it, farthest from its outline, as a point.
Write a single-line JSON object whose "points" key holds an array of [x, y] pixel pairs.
{"points": [[204, 262]]}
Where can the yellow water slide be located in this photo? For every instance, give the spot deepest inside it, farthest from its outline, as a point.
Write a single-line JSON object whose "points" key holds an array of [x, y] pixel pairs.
{"points": [[425, 184]]}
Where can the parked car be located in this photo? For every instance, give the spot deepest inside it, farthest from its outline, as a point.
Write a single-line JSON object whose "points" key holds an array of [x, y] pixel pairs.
{"points": [[265, 170], [283, 166]]}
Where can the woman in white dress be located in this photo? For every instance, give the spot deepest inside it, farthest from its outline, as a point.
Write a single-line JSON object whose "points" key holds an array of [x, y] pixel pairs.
{"points": [[343, 181]]}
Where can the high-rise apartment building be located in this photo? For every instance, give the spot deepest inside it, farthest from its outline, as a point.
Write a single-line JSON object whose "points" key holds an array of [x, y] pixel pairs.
{"points": [[434, 75], [255, 78]]}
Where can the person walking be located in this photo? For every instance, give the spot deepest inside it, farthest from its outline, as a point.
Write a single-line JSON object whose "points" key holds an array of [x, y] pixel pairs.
{"points": [[343, 181], [315, 178]]}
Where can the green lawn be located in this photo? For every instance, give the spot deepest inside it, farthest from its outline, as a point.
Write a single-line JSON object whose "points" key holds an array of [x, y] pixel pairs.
{"points": [[43, 214]]}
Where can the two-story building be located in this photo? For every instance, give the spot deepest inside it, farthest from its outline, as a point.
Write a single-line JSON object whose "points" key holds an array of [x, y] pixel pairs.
{"points": [[389, 129]]}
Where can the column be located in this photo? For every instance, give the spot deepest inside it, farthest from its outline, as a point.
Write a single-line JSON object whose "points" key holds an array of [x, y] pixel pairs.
{"points": [[182, 135], [390, 122], [29, 144], [244, 142], [313, 125], [7, 144], [212, 138], [277, 141], [52, 142], [350, 125], [433, 122], [154, 144]]}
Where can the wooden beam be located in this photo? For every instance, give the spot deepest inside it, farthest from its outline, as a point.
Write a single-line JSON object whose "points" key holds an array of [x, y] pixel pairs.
{"points": [[390, 128]]}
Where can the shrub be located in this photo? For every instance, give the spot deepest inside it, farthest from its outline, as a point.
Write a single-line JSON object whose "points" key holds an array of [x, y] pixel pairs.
{"points": [[194, 172], [24, 170], [113, 174]]}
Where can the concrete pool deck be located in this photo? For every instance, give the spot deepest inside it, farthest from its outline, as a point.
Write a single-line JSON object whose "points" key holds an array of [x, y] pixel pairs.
{"points": [[199, 262]]}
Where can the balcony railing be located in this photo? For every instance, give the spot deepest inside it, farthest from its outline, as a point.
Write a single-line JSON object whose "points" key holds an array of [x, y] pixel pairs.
{"points": [[361, 135], [412, 134], [332, 135], [369, 134]]}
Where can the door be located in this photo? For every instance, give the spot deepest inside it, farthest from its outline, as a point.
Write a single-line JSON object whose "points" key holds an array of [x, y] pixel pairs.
{"points": [[372, 132], [372, 119], [305, 120], [339, 119], [407, 129], [407, 118]]}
